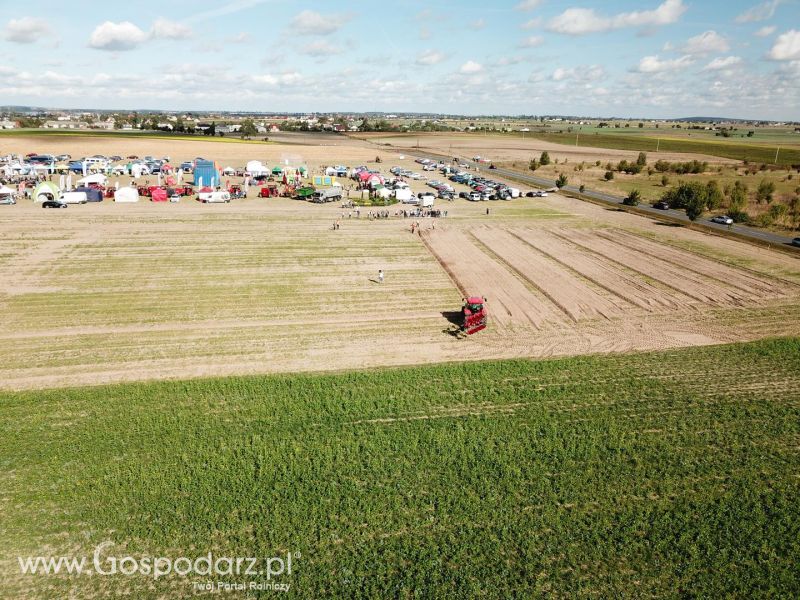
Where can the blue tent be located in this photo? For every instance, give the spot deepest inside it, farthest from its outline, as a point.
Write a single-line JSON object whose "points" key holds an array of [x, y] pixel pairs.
{"points": [[92, 194], [208, 172]]}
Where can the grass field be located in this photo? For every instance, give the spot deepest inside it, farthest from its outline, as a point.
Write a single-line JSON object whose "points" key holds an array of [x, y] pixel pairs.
{"points": [[663, 474], [756, 152], [138, 135]]}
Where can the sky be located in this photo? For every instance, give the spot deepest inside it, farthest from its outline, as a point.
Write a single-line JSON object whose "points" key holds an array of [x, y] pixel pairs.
{"points": [[647, 59]]}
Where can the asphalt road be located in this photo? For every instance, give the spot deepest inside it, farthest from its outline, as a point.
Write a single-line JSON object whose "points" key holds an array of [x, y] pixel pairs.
{"points": [[533, 180]]}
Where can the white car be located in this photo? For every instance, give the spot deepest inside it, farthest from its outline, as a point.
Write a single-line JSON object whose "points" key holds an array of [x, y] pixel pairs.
{"points": [[429, 168], [722, 219], [207, 197], [415, 176]]}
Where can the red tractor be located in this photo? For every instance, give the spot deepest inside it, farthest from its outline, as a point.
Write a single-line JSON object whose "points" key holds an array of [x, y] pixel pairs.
{"points": [[270, 190], [474, 315]]}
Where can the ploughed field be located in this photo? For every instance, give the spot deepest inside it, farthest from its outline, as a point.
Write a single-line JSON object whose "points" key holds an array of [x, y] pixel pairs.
{"points": [[105, 293], [623, 475]]}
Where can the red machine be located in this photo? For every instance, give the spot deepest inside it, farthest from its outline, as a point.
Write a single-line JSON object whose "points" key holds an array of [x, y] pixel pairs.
{"points": [[236, 191], [158, 194], [109, 192], [185, 190], [474, 315], [269, 191], [144, 191]]}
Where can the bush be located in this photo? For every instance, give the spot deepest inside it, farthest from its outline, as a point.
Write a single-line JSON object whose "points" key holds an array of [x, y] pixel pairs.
{"points": [[609, 175], [633, 198], [544, 159], [765, 191], [739, 216], [664, 180], [561, 181]]}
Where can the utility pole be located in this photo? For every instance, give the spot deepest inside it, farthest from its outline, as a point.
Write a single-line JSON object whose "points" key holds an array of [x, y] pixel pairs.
{"points": [[776, 154], [658, 143]]}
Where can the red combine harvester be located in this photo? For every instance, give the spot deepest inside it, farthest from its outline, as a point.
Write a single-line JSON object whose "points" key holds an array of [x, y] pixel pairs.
{"points": [[474, 315]]}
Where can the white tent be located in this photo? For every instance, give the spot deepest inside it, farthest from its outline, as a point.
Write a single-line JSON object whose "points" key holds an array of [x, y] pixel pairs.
{"points": [[126, 194], [6, 191], [229, 171], [256, 168], [97, 178]]}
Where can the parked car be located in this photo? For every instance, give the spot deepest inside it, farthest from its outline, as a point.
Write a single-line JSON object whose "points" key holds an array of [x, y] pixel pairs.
{"points": [[661, 205], [722, 219], [54, 204], [8, 200], [796, 242]]}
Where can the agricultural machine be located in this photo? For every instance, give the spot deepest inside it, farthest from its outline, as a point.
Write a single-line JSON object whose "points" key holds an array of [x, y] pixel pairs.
{"points": [[474, 315], [236, 191], [270, 190]]}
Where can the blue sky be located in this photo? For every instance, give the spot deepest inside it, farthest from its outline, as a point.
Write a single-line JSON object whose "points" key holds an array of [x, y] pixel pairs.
{"points": [[652, 58]]}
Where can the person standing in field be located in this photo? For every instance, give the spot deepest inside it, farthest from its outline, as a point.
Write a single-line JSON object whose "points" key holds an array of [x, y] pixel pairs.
{"points": [[380, 275]]}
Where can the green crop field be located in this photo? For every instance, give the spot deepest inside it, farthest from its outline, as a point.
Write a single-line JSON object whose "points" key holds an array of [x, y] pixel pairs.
{"points": [[138, 135], [663, 474], [756, 152]]}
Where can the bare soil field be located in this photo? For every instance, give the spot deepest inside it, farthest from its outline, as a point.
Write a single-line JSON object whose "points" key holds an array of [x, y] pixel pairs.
{"points": [[504, 149], [104, 292]]}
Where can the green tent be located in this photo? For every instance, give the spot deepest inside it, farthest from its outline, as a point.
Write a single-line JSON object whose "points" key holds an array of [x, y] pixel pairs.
{"points": [[47, 190], [277, 170]]}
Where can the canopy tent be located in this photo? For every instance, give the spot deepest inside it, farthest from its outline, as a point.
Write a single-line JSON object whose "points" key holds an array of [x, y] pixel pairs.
{"points": [[256, 168], [229, 171], [126, 194], [97, 179], [277, 170], [6, 191], [47, 190]]}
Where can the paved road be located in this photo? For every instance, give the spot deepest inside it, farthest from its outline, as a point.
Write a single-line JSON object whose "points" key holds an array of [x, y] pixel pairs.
{"points": [[744, 230]]}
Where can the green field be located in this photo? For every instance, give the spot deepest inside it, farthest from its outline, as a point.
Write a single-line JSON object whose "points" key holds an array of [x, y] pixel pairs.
{"points": [[755, 152], [664, 474], [139, 135]]}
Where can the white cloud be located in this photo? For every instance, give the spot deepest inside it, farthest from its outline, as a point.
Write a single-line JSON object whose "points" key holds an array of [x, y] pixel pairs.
{"points": [[760, 12], [766, 31], [528, 4], [25, 30], [320, 48], [708, 42], [720, 63], [477, 24], [430, 57], [583, 73], [470, 67], [787, 46], [310, 22], [170, 30], [239, 38], [532, 23], [653, 64], [117, 36], [533, 41], [580, 21]]}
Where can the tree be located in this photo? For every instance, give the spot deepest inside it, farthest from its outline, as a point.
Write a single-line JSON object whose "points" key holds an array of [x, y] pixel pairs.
{"points": [[533, 165], [765, 191], [544, 159], [561, 181], [633, 198], [664, 180], [609, 175], [684, 194], [582, 188], [714, 197], [695, 206], [248, 129], [642, 160]]}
